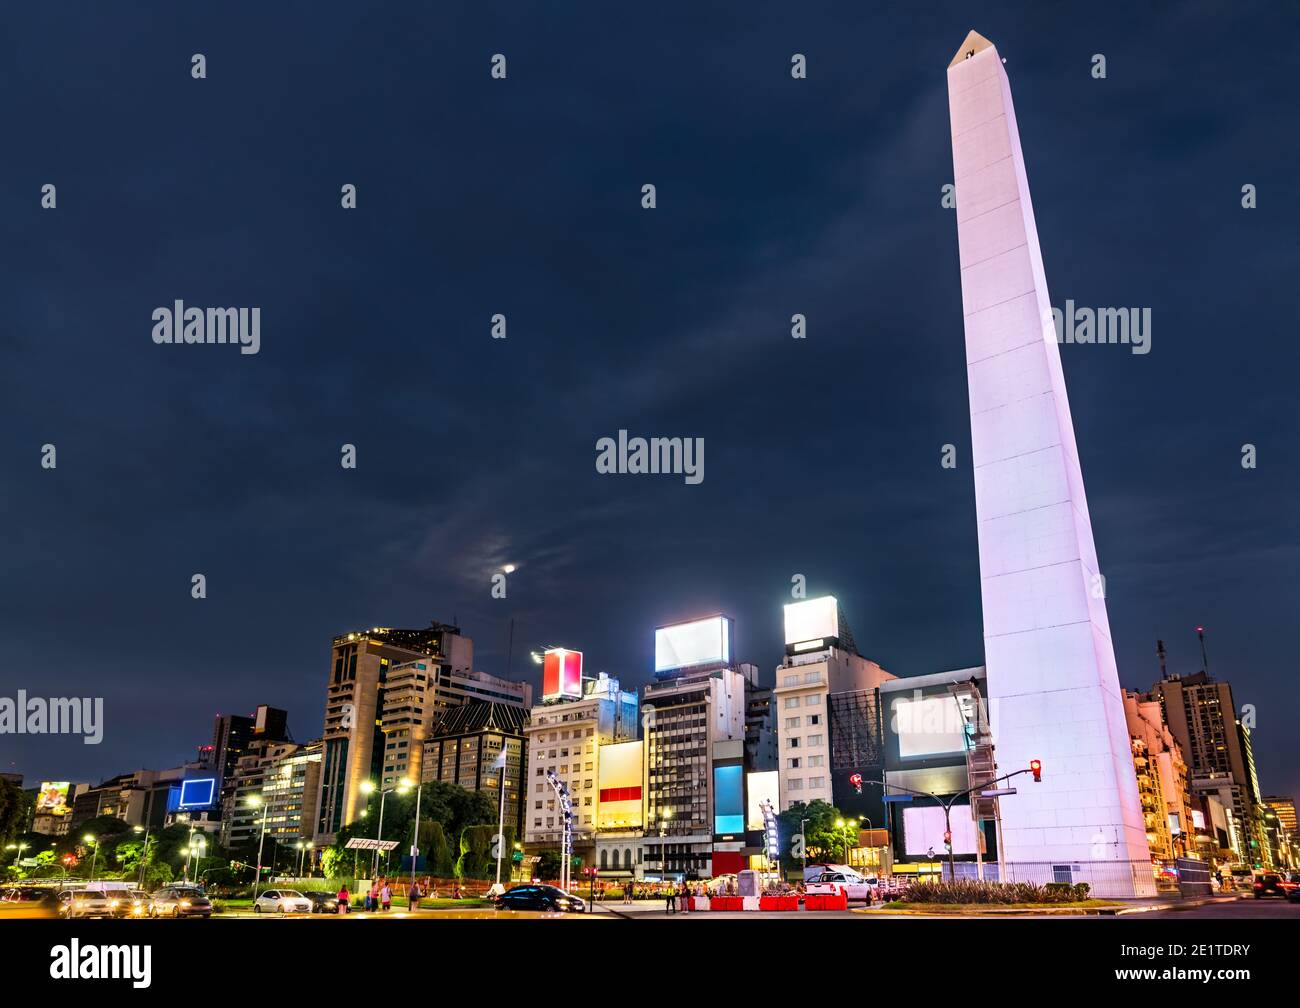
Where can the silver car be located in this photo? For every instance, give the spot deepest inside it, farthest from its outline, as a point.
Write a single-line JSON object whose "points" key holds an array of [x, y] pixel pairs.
{"points": [[78, 903]]}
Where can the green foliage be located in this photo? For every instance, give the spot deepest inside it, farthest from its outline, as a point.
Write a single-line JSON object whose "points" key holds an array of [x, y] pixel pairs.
{"points": [[15, 811], [995, 893], [548, 868], [822, 838], [475, 844]]}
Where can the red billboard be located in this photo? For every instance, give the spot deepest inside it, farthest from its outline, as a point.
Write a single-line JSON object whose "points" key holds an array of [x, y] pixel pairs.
{"points": [[561, 674]]}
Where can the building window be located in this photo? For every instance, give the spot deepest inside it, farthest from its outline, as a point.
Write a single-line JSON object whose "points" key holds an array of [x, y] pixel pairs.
{"points": [[792, 764], [813, 700], [814, 740], [794, 785], [793, 722], [816, 782], [794, 743], [791, 702]]}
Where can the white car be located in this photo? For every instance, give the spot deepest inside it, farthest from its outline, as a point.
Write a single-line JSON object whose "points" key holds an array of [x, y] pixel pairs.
{"points": [[854, 886], [282, 901]]}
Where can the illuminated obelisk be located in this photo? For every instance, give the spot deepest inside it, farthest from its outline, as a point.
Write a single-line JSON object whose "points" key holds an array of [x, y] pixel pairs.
{"points": [[1053, 690]]}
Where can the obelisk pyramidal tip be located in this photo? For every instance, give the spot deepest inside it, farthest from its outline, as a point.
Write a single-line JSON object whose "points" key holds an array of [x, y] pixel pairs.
{"points": [[1053, 688]]}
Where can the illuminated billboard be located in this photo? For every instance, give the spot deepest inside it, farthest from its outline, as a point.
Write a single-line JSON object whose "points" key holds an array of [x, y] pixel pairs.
{"points": [[815, 619], [52, 799], [759, 785], [729, 799], [928, 725], [700, 642], [197, 793], [923, 831], [561, 674], [619, 780]]}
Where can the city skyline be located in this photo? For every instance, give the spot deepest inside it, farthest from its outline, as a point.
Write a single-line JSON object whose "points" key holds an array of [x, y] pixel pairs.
{"points": [[825, 201]]}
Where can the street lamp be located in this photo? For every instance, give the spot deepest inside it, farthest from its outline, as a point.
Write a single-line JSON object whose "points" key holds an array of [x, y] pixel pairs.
{"points": [[94, 853], [144, 854], [803, 842], [198, 848], [663, 844], [368, 787], [255, 801]]}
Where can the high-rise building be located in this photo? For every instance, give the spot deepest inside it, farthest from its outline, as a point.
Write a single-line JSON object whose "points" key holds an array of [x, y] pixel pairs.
{"points": [[566, 736], [1163, 780], [278, 780], [231, 735], [1052, 680], [1200, 713], [377, 735], [465, 747], [821, 663]]}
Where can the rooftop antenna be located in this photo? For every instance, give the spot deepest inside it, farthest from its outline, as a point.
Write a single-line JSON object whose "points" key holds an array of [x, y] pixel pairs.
{"points": [[1160, 653], [1205, 661]]}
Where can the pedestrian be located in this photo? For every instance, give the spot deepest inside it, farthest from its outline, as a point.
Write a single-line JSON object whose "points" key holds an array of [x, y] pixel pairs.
{"points": [[670, 899], [685, 900], [455, 890], [627, 891], [372, 902], [386, 897], [413, 897], [343, 899]]}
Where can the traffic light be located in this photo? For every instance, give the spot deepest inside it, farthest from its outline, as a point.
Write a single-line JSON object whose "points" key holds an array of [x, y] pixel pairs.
{"points": [[1036, 768]]}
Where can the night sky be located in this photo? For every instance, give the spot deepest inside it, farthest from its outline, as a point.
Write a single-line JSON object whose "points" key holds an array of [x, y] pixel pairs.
{"points": [[523, 197]]}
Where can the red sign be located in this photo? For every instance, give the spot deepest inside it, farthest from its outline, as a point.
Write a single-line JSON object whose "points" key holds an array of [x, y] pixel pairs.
{"points": [[561, 674]]}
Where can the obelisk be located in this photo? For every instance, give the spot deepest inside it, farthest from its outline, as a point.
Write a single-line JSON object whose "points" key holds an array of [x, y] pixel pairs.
{"points": [[1053, 689]]}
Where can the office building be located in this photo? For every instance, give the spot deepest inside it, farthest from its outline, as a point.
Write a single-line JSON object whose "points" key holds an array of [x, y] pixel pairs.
{"points": [[277, 782], [372, 734], [465, 747], [823, 672], [566, 736]]}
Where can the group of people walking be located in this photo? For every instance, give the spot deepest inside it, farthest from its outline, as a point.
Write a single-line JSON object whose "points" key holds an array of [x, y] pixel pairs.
{"points": [[379, 897]]}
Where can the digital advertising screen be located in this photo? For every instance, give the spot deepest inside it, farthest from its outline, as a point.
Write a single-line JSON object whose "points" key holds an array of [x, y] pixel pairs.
{"points": [[561, 674], [927, 726], [729, 799], [812, 619], [196, 793], [923, 830], [52, 799]]}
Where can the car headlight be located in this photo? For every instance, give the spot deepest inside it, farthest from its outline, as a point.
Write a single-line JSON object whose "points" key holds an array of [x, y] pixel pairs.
{"points": [[113, 904], [185, 904]]}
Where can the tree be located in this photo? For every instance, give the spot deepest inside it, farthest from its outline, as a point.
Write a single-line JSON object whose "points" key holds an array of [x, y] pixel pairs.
{"points": [[548, 867], [14, 811], [821, 837]]}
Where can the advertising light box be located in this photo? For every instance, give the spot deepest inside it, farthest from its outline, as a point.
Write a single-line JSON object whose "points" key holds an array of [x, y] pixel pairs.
{"points": [[197, 793], [728, 799], [928, 726], [700, 642], [52, 799], [561, 674], [923, 830], [812, 619], [760, 784]]}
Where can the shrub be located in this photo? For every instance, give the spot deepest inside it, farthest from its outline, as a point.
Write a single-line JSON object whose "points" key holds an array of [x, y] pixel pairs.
{"points": [[995, 892]]}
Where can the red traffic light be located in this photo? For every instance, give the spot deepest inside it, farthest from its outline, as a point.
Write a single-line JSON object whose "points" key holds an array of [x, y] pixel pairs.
{"points": [[1036, 768]]}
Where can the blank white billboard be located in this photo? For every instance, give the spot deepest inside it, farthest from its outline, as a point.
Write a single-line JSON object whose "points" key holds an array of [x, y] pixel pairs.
{"points": [[700, 642], [923, 829], [927, 726], [812, 619]]}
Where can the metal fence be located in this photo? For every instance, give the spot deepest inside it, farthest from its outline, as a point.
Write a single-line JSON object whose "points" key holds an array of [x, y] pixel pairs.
{"points": [[1104, 878]]}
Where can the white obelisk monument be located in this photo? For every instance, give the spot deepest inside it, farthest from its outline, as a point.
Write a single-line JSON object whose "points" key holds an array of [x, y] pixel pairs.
{"points": [[1053, 690]]}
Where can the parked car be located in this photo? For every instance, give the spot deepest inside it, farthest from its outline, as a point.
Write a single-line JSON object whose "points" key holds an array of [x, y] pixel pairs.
{"points": [[1270, 884], [282, 901], [854, 886], [539, 897], [323, 902], [180, 901], [79, 903]]}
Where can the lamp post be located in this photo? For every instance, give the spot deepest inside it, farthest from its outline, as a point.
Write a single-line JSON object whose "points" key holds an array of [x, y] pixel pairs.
{"points": [[144, 854], [803, 842], [198, 848], [255, 801], [415, 836], [94, 853], [367, 787]]}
